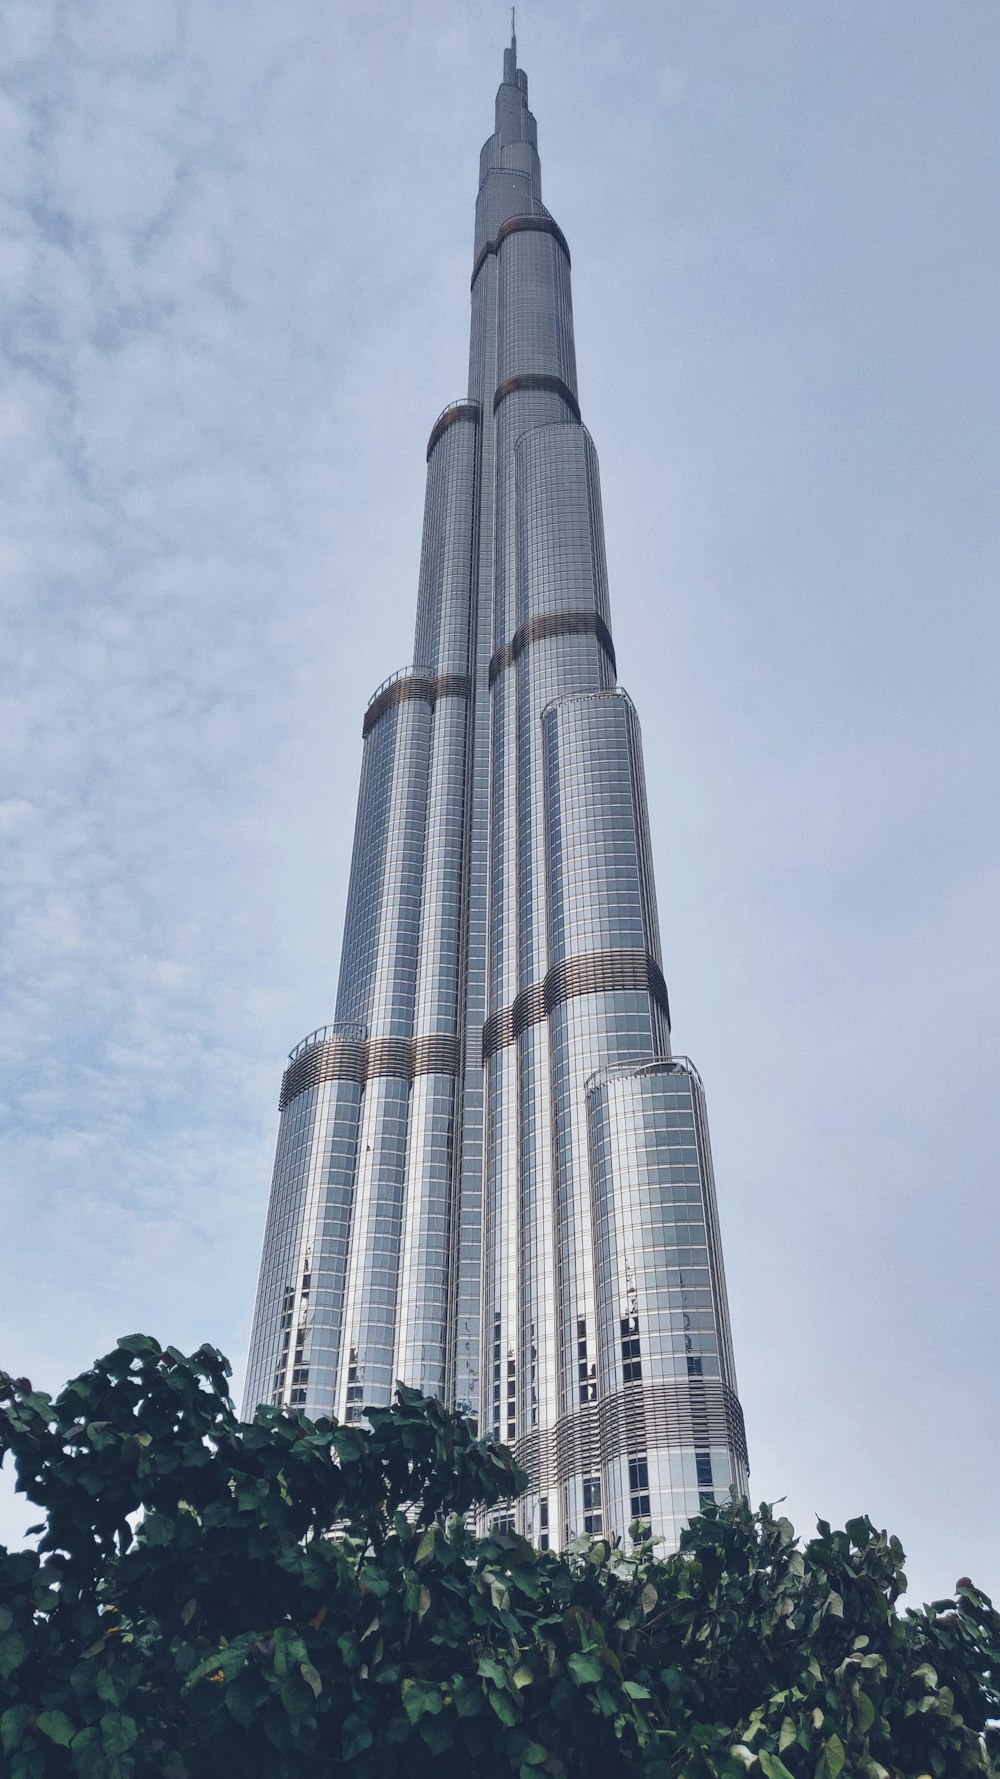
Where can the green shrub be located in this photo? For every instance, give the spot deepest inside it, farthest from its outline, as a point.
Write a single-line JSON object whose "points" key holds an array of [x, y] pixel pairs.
{"points": [[188, 1613]]}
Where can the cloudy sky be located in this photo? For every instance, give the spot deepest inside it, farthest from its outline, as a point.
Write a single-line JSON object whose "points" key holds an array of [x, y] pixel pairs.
{"points": [[236, 243]]}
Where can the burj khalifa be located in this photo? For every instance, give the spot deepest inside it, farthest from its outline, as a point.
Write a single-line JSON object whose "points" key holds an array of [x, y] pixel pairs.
{"points": [[493, 1177]]}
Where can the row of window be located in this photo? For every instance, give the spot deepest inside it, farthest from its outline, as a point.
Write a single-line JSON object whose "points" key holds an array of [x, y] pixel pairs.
{"points": [[591, 1496]]}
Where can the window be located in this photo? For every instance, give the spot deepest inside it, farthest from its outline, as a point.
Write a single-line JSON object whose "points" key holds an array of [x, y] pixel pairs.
{"points": [[638, 1473], [631, 1350], [638, 1482], [593, 1519], [587, 1374], [496, 1375]]}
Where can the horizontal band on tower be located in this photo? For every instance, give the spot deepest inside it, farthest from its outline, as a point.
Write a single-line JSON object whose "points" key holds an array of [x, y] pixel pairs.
{"points": [[427, 687], [450, 416], [681, 1414], [521, 225], [590, 972], [536, 380], [545, 624], [369, 1059]]}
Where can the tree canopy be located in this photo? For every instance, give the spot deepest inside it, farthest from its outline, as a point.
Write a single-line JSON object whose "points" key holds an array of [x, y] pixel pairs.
{"points": [[286, 1598]]}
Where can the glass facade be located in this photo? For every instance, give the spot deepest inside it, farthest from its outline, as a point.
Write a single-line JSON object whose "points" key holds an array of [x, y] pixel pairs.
{"points": [[493, 1180]]}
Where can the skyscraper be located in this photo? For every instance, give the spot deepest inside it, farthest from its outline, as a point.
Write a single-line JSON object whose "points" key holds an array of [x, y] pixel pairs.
{"points": [[493, 1180]]}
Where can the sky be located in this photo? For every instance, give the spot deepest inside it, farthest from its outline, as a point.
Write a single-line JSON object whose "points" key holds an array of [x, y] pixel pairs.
{"points": [[236, 243]]}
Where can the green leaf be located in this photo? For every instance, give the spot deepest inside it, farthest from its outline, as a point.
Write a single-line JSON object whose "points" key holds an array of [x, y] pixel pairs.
{"points": [[585, 1669], [504, 1707], [112, 1687], [528, 1581], [222, 1662], [436, 1733], [12, 1726], [534, 1755], [158, 1529], [140, 1345], [772, 1766], [13, 1650], [57, 1726], [866, 1713], [26, 1764], [117, 1732], [419, 1698], [832, 1759], [468, 1699], [6, 1618], [491, 1670], [311, 1678], [295, 1696], [635, 1691], [356, 1738]]}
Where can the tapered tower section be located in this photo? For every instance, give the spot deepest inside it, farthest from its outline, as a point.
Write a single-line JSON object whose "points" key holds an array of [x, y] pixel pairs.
{"points": [[493, 1179]]}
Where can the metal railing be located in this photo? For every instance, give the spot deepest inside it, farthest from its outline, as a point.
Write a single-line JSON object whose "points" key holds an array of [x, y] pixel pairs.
{"points": [[352, 1033]]}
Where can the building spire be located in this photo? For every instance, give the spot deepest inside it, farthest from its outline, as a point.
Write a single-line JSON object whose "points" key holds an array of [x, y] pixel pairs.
{"points": [[510, 77]]}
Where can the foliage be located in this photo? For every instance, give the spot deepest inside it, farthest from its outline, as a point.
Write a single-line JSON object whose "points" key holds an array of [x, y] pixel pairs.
{"points": [[189, 1614]]}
